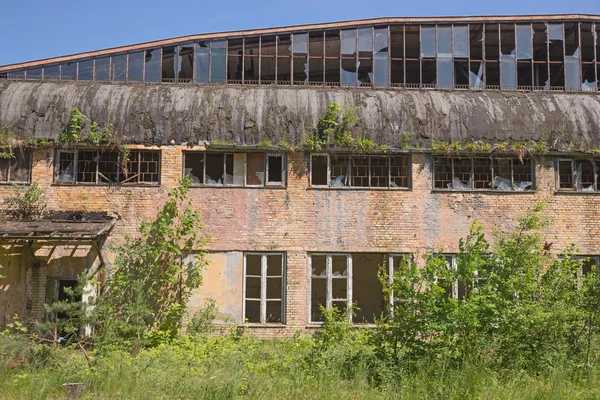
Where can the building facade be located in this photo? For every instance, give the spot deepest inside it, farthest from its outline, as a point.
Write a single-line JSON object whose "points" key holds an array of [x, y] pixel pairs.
{"points": [[472, 118]]}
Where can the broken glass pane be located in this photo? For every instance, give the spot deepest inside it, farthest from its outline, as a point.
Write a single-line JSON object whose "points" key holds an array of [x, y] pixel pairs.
{"points": [[365, 71], [524, 74], [300, 70], [202, 62], [444, 41], [348, 72], [360, 171], [476, 42], [585, 175], [339, 266], [462, 174], [102, 69], [428, 41], [284, 45], [572, 39], [185, 63], [429, 76], [557, 75], [218, 56], [318, 298], [152, 65], [318, 171], [135, 66], [588, 77], [492, 73], [399, 171], [274, 311], [365, 42], [381, 40], [284, 68], [20, 166], [540, 75], [332, 43], [235, 51], [502, 174], [315, 69], [380, 171], [349, 43], [339, 288], [119, 67], [540, 44], [461, 41], [87, 163], [492, 43], [85, 70], [507, 39], [461, 72], [339, 171], [168, 64], [588, 38], [412, 42], [482, 173], [194, 167], [300, 41], [316, 44], [255, 165], [252, 311], [524, 42], [397, 41], [66, 167], [556, 41], [275, 169], [215, 164], [476, 75]]}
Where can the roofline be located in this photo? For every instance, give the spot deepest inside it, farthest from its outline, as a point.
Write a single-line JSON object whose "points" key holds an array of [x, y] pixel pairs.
{"points": [[296, 28]]}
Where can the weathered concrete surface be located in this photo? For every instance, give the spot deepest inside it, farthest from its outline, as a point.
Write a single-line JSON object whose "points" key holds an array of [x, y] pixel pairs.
{"points": [[158, 114]]}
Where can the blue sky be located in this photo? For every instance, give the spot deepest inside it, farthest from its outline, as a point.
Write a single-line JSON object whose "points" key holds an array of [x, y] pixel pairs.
{"points": [[35, 29]]}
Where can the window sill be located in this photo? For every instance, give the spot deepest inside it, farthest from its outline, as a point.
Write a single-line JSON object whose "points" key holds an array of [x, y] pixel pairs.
{"points": [[346, 188], [267, 325], [15, 183], [575, 193], [136, 185], [319, 325], [237, 187], [484, 191]]}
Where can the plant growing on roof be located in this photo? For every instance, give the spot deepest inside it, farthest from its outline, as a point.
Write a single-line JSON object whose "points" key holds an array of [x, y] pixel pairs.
{"points": [[98, 136], [72, 132], [28, 202], [8, 142]]}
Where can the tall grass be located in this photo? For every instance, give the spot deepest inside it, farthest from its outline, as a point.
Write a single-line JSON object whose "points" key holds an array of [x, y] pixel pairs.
{"points": [[233, 367]]}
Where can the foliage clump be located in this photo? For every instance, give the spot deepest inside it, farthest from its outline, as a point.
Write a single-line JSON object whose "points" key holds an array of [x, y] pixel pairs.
{"points": [[28, 202], [97, 136], [72, 132]]}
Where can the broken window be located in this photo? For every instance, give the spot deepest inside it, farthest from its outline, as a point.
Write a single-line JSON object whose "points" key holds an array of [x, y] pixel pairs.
{"points": [[264, 288], [16, 169], [168, 66], [380, 58], [107, 167], [360, 171], [482, 174], [284, 61], [268, 45], [185, 63], [577, 174], [235, 169], [331, 285], [152, 65]]}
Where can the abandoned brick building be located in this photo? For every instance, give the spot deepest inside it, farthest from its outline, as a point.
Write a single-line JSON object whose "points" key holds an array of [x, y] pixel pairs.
{"points": [[474, 117]]}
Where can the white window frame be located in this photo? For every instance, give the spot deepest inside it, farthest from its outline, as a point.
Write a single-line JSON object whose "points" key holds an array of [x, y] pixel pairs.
{"points": [[391, 270], [349, 178], [266, 183], [329, 283], [263, 286], [492, 171], [573, 162]]}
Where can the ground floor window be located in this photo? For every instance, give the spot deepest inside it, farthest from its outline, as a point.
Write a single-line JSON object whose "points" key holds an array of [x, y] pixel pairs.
{"points": [[264, 288], [347, 281]]}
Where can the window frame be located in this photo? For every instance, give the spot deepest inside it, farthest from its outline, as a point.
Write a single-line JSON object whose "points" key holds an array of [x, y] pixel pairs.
{"points": [[97, 173], [573, 161], [391, 272], [263, 287], [28, 154], [267, 155], [434, 159], [329, 283], [370, 187]]}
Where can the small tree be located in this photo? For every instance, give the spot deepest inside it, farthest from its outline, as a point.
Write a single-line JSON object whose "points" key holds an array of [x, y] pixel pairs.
{"points": [[155, 273], [28, 202]]}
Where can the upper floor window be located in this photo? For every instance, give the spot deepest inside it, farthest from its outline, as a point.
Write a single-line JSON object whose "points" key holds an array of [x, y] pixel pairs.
{"points": [[264, 287], [235, 169], [99, 167], [578, 175], [360, 171], [482, 174], [16, 169]]}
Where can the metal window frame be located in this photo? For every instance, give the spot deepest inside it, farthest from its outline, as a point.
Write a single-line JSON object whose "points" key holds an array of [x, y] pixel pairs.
{"points": [[263, 286], [29, 158]]}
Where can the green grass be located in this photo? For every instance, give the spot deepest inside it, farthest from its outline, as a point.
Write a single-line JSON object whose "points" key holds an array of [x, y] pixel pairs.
{"points": [[232, 367]]}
